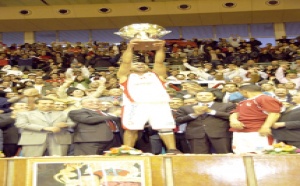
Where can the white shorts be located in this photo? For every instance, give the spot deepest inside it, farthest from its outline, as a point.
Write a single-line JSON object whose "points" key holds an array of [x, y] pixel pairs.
{"points": [[248, 142], [136, 115]]}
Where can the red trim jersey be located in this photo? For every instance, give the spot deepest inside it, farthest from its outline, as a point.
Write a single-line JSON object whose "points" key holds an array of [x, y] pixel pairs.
{"points": [[146, 88], [253, 112]]}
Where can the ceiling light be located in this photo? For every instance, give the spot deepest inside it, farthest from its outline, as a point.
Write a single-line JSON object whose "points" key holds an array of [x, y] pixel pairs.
{"points": [[144, 8], [104, 10], [184, 6], [272, 2], [25, 12], [64, 11], [229, 5]]}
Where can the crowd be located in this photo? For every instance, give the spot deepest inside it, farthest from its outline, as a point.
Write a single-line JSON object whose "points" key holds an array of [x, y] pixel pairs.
{"points": [[230, 95]]}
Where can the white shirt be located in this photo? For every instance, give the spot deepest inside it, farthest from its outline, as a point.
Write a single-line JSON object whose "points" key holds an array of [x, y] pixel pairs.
{"points": [[226, 97]]}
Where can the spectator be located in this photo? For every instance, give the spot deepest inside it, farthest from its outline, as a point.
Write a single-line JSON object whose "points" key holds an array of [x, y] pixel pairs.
{"points": [[264, 56], [10, 132], [290, 76], [282, 94], [44, 129], [25, 62], [286, 129], [200, 133], [92, 134]]}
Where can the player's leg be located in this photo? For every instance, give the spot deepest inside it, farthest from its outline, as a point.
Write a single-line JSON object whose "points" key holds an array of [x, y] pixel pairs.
{"points": [[130, 137]]}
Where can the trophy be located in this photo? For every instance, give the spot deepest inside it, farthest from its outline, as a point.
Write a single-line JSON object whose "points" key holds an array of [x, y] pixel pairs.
{"points": [[144, 34]]}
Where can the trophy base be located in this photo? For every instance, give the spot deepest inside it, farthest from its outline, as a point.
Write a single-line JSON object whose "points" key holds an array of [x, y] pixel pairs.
{"points": [[145, 45]]}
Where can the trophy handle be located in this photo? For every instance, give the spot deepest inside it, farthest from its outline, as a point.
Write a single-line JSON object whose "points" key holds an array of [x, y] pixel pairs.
{"points": [[145, 44]]}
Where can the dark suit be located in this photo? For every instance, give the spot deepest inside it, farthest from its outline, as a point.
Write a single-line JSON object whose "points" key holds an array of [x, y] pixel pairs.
{"points": [[10, 135], [207, 130], [290, 134], [92, 135]]}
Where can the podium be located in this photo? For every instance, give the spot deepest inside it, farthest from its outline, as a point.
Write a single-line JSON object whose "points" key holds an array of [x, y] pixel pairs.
{"points": [[160, 170]]}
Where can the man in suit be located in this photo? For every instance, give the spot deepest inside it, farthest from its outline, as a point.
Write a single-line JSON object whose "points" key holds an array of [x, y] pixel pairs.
{"points": [[114, 96], [10, 132], [207, 124], [44, 129], [229, 93], [181, 142], [287, 128], [92, 134], [108, 109]]}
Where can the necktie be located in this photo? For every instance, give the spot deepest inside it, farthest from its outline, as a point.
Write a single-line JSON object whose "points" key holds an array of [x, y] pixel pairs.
{"points": [[109, 123], [47, 117], [226, 98], [203, 116]]}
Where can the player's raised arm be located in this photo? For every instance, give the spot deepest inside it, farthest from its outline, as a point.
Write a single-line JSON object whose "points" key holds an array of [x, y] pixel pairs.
{"points": [[125, 65], [159, 67]]}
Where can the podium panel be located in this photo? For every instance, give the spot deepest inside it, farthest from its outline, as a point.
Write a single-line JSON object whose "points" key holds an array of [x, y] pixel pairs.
{"points": [[203, 170], [83, 171], [277, 170], [162, 170], [3, 172]]}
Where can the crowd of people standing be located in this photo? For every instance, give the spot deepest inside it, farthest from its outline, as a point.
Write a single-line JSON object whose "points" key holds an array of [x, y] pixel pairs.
{"points": [[225, 96]]}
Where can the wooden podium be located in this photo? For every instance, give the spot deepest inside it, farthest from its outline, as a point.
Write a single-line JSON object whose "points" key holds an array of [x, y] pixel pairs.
{"points": [[177, 170]]}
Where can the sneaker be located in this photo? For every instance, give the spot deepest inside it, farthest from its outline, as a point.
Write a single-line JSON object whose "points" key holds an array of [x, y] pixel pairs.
{"points": [[173, 151]]}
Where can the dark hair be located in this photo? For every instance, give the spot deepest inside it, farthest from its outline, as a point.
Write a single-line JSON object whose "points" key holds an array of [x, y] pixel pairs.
{"points": [[207, 91], [2, 94], [28, 81], [251, 88], [191, 74], [40, 99]]}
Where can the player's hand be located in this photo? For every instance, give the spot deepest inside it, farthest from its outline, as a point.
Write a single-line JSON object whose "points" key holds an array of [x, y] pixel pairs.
{"points": [[278, 125], [131, 44], [160, 44], [265, 131], [236, 124]]}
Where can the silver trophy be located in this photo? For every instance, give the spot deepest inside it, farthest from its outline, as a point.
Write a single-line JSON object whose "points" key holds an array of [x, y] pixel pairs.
{"points": [[144, 34]]}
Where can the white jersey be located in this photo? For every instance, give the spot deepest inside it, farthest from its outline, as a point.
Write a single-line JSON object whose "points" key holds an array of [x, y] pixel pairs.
{"points": [[146, 88]]}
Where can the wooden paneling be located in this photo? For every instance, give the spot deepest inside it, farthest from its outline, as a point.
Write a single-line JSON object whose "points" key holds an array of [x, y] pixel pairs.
{"points": [[277, 170], [180, 170], [205, 170], [3, 172]]}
